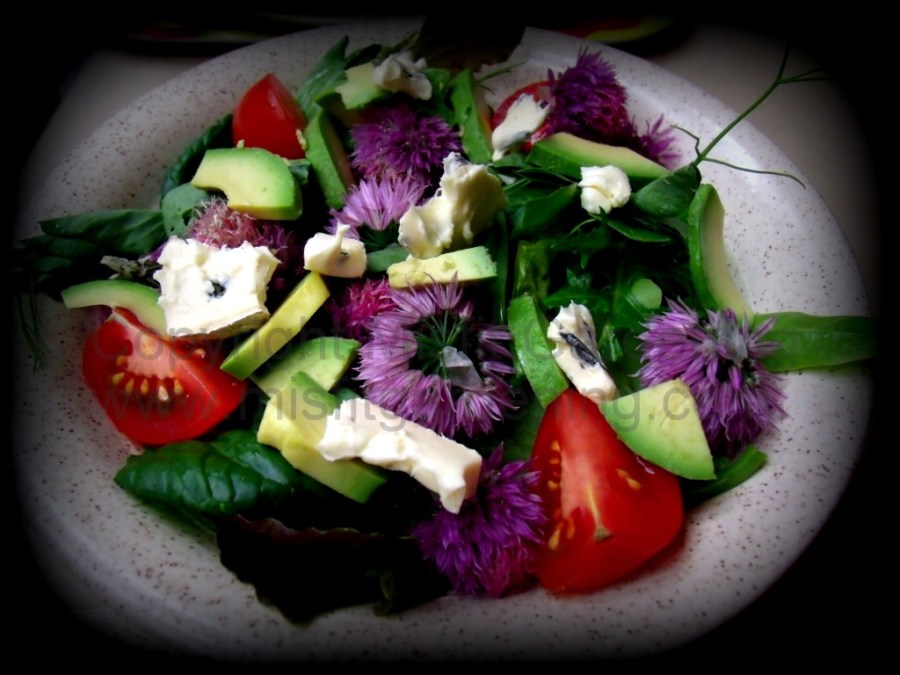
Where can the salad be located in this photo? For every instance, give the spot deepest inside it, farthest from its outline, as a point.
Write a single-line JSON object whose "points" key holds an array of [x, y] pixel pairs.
{"points": [[500, 396]]}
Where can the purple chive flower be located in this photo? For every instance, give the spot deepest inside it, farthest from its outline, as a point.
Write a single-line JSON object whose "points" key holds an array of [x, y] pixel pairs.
{"points": [[656, 143], [489, 547], [373, 207], [398, 142], [429, 362], [720, 361], [355, 307], [588, 101], [218, 225]]}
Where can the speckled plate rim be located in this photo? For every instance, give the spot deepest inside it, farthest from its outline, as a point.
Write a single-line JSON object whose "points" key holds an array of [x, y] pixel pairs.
{"points": [[150, 582]]}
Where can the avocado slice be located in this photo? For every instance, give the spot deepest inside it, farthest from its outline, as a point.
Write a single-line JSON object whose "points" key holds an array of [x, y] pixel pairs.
{"points": [[468, 264], [360, 89], [565, 154], [662, 424], [141, 300], [290, 317], [328, 159], [473, 115], [708, 261], [294, 421], [254, 180], [325, 359]]}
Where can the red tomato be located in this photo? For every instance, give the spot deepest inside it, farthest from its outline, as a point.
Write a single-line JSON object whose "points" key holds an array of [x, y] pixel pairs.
{"points": [[539, 91], [155, 390], [269, 117], [610, 511]]}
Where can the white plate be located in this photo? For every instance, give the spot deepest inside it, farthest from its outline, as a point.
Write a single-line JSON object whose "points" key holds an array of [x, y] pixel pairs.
{"points": [[152, 583]]}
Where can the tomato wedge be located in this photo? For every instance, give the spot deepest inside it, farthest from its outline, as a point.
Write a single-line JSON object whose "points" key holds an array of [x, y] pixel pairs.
{"points": [[268, 116], [155, 390], [609, 510], [539, 91]]}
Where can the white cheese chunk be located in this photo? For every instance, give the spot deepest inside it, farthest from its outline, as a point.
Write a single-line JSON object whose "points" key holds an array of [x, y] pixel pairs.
{"points": [[361, 429], [466, 202], [399, 73], [603, 188], [212, 292], [335, 255], [522, 119], [576, 353]]}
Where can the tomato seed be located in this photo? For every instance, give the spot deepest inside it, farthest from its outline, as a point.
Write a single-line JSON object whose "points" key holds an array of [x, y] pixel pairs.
{"points": [[632, 483]]}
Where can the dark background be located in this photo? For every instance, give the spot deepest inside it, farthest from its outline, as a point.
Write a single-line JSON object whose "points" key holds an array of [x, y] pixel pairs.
{"points": [[824, 610]]}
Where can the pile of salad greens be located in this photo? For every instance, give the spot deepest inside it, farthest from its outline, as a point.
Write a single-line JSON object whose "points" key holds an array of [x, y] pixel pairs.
{"points": [[308, 549]]}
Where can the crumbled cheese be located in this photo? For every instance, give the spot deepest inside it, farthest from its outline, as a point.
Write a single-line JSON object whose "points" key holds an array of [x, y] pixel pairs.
{"points": [[361, 429], [603, 188], [335, 255], [576, 352], [467, 200], [522, 119], [213, 292], [399, 73]]}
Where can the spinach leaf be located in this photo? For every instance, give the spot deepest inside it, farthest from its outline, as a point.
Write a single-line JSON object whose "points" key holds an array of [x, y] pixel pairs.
{"points": [[178, 205], [185, 165], [669, 195], [71, 247], [498, 242], [541, 207], [231, 474], [729, 474], [813, 341], [532, 269]]}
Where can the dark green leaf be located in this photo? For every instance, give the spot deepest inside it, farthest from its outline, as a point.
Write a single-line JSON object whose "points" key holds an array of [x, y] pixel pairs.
{"points": [[543, 210], [813, 341], [636, 232], [178, 205], [521, 430], [585, 244], [729, 474], [670, 195], [532, 269], [498, 242], [231, 474], [185, 165], [300, 170], [71, 247]]}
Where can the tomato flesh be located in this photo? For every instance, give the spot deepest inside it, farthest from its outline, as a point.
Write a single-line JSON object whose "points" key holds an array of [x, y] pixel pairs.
{"points": [[609, 511], [268, 116], [155, 390]]}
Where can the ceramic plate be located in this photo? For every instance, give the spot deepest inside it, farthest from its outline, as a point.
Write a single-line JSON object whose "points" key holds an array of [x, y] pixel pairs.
{"points": [[149, 582]]}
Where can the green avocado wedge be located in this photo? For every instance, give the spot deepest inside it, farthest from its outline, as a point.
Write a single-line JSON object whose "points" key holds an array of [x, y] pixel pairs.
{"points": [[140, 299], [708, 260], [294, 421], [254, 180], [662, 425], [285, 323], [566, 154]]}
